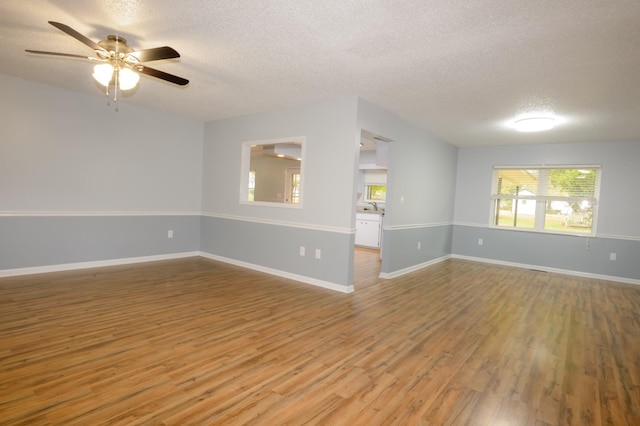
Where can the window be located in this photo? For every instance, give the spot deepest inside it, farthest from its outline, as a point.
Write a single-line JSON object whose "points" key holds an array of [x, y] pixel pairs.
{"points": [[377, 193], [562, 199], [272, 172], [375, 185], [252, 185], [292, 185]]}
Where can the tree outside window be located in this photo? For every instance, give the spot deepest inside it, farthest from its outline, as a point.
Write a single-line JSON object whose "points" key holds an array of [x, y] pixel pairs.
{"points": [[546, 199]]}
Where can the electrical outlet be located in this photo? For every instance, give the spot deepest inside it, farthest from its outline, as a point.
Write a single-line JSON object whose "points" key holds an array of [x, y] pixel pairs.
{"points": [[612, 256], [170, 233], [302, 250], [318, 253], [419, 244], [480, 241]]}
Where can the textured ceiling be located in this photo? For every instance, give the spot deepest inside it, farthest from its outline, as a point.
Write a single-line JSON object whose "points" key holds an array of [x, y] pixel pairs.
{"points": [[463, 70]]}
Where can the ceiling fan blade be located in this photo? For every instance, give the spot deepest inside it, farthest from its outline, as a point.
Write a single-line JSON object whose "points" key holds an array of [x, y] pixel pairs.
{"points": [[155, 54], [162, 75], [73, 33], [69, 55]]}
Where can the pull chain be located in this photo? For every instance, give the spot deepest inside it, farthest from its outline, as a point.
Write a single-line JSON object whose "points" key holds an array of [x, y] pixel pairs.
{"points": [[115, 89]]}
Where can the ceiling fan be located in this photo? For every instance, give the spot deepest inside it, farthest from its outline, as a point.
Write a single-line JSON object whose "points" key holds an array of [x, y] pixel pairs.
{"points": [[119, 64]]}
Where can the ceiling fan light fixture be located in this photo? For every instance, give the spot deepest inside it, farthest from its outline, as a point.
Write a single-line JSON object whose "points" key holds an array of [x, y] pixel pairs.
{"points": [[103, 73], [119, 63], [534, 124], [128, 79]]}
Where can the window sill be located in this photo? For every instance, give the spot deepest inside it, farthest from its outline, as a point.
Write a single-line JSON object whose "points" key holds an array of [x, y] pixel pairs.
{"points": [[537, 231]]}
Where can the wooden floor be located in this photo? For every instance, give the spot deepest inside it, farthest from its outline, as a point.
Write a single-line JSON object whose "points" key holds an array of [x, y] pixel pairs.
{"points": [[366, 267], [197, 342]]}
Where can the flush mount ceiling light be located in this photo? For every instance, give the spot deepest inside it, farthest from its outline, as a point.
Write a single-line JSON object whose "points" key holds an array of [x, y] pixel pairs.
{"points": [[534, 124]]}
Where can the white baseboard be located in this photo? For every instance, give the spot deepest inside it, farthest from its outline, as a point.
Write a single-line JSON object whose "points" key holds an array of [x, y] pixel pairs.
{"points": [[546, 269], [93, 264], [307, 280], [130, 260], [413, 268], [301, 278]]}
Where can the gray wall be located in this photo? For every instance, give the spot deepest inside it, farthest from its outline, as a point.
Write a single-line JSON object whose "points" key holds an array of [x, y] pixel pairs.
{"points": [[272, 235], [330, 152], [421, 181], [276, 248], [81, 182], [45, 241], [618, 227]]}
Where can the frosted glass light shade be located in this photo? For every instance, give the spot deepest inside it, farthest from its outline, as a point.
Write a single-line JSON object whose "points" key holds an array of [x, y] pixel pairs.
{"points": [[103, 73], [535, 124], [128, 79]]}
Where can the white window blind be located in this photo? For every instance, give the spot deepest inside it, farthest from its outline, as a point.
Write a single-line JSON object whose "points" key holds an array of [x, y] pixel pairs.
{"points": [[558, 199]]}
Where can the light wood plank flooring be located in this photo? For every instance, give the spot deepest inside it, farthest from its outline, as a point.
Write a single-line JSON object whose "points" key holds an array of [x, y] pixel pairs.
{"points": [[198, 342], [366, 267]]}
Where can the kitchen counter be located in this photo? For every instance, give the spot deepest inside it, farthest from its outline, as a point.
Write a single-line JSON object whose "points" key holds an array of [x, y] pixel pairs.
{"points": [[367, 211], [368, 215]]}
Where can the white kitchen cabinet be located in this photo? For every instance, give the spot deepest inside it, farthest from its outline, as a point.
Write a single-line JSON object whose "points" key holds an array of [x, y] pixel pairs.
{"points": [[368, 230]]}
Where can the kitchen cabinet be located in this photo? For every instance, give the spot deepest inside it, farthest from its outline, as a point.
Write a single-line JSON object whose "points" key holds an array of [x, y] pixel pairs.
{"points": [[368, 230]]}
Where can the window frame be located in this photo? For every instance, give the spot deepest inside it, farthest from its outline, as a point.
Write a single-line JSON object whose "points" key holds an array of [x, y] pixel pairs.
{"points": [[246, 169], [368, 189], [292, 182], [543, 198]]}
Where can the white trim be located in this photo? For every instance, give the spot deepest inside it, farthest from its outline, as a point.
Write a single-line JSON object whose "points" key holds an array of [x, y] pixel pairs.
{"points": [[282, 205], [547, 269], [514, 197], [245, 167], [200, 214], [541, 231], [543, 185], [413, 268], [599, 236], [301, 278], [618, 237], [471, 225], [281, 223], [125, 261], [550, 166], [95, 213], [416, 226], [93, 264]]}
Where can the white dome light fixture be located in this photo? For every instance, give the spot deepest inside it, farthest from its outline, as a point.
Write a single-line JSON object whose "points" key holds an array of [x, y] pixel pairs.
{"points": [[534, 124], [119, 67], [128, 79], [104, 73]]}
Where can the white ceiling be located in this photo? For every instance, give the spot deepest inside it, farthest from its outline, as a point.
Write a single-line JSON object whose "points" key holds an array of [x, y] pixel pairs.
{"points": [[460, 69]]}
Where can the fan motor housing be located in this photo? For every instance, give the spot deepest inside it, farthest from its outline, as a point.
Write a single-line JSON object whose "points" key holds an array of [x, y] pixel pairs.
{"points": [[115, 43]]}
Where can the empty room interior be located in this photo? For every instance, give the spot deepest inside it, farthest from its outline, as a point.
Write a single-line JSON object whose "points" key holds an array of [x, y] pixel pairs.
{"points": [[321, 212]]}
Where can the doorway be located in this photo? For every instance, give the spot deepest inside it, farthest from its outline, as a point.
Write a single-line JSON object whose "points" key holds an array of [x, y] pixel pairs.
{"points": [[366, 267], [371, 204]]}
